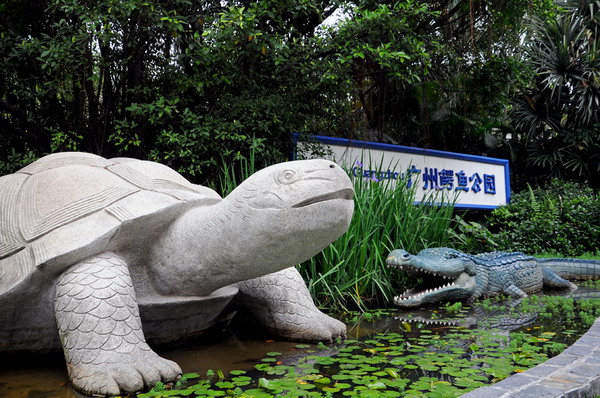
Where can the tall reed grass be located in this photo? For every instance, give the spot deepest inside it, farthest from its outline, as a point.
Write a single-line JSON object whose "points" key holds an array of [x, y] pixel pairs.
{"points": [[350, 273]]}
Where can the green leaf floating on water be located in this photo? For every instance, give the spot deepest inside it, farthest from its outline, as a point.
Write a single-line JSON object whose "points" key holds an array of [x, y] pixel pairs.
{"points": [[384, 364], [376, 386], [264, 383], [392, 372], [406, 327], [257, 393], [225, 384], [214, 393]]}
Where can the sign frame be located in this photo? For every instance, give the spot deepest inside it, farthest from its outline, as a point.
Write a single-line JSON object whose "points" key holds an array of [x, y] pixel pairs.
{"points": [[427, 153]]}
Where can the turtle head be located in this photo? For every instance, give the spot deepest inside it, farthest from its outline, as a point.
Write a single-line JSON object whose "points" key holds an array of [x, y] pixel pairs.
{"points": [[292, 210], [277, 218]]}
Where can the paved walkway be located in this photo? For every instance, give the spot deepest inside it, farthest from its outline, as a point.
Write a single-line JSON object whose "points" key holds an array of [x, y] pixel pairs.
{"points": [[574, 373]]}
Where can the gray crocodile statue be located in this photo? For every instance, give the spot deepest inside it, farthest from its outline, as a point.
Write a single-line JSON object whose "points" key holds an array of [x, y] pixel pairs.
{"points": [[468, 277], [98, 255]]}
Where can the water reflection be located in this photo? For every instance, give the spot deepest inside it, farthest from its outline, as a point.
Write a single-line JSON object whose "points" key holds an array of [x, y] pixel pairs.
{"points": [[46, 376]]}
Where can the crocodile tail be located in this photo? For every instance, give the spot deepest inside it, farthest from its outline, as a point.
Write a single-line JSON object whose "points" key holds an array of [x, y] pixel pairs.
{"points": [[573, 268]]}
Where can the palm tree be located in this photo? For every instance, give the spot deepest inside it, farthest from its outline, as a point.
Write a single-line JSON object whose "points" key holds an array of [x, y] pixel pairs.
{"points": [[560, 114]]}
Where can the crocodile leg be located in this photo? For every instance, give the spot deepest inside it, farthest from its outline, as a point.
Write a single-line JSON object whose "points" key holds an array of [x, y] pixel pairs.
{"points": [[101, 331], [512, 290], [552, 279], [282, 303]]}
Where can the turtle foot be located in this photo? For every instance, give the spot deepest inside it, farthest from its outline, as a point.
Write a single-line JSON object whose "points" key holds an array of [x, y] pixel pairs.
{"points": [[322, 327], [282, 303], [311, 326], [124, 373]]}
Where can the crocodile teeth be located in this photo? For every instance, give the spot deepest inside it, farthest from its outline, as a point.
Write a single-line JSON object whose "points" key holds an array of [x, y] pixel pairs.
{"points": [[409, 295]]}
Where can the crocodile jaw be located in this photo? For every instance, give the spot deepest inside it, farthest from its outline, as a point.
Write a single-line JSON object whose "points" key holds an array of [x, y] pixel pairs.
{"points": [[459, 289]]}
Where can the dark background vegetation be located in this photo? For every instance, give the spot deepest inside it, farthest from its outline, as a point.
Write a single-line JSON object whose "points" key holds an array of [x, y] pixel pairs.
{"points": [[194, 83], [210, 87]]}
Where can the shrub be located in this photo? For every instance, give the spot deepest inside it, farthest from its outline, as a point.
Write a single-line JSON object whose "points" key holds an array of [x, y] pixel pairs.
{"points": [[471, 237], [564, 218]]}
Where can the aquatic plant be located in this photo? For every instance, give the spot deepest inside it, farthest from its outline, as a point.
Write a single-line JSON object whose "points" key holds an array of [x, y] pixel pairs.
{"points": [[386, 365], [414, 359]]}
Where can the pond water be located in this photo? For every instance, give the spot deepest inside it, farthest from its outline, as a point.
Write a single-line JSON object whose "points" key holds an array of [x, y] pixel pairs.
{"points": [[400, 343]]}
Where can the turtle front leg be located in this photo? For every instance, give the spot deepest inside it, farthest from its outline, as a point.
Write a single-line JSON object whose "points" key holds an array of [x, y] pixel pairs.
{"points": [[282, 303], [101, 331]]}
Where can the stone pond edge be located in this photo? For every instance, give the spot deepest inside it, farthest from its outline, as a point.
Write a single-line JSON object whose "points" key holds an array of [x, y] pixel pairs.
{"points": [[573, 373]]}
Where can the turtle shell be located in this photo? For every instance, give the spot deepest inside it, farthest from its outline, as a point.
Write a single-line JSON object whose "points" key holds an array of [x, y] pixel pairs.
{"points": [[67, 206]]}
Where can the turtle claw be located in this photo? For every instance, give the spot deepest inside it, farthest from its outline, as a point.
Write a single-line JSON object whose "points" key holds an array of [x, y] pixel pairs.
{"points": [[282, 303], [311, 326], [336, 329], [119, 377]]}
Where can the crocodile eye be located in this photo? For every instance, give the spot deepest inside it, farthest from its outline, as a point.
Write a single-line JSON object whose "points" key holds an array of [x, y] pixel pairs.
{"points": [[287, 176]]}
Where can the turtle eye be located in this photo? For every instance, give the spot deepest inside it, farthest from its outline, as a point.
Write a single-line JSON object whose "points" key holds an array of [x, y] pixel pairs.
{"points": [[287, 176]]}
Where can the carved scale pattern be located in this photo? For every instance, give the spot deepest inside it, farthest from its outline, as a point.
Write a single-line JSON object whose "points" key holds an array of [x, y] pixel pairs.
{"points": [[138, 179], [282, 302], [64, 159], [101, 331], [33, 225], [120, 213]]}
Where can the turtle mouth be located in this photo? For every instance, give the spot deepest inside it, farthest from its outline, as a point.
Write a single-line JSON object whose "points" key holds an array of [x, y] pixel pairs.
{"points": [[345, 194]]}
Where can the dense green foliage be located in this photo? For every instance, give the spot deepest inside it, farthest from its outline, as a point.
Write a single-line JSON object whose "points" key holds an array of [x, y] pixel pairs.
{"points": [[182, 82], [351, 272], [562, 218], [559, 114], [186, 82], [190, 83]]}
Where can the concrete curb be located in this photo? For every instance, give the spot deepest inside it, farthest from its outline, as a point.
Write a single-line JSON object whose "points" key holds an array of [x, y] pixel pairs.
{"points": [[573, 373]]}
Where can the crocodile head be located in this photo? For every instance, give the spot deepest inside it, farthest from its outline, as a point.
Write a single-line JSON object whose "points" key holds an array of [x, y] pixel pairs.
{"points": [[448, 274]]}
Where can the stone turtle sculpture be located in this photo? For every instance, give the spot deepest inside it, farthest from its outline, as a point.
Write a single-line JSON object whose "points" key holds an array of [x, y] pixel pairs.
{"points": [[87, 244]]}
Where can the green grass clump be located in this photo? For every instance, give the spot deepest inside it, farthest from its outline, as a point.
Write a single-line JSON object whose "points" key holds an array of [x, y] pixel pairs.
{"points": [[351, 273]]}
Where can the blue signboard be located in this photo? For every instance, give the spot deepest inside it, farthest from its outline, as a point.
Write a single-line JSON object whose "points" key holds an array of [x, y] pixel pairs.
{"points": [[475, 182]]}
